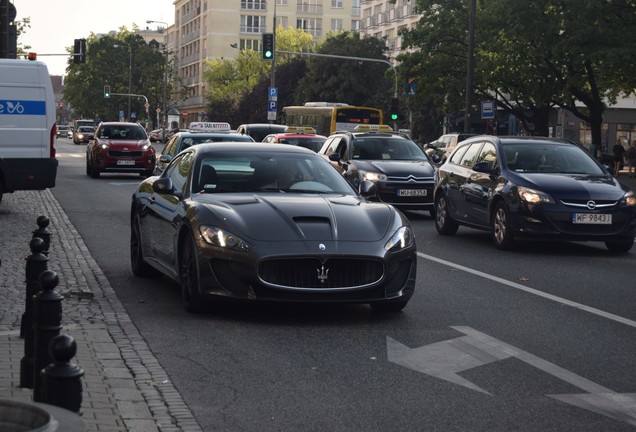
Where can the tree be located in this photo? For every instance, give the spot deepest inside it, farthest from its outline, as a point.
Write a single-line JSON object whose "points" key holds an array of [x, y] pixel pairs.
{"points": [[349, 81], [566, 52], [532, 55], [110, 65], [253, 106], [237, 88]]}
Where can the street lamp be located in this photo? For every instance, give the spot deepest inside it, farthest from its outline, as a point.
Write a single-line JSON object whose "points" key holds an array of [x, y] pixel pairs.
{"points": [[469, 64], [129, 73], [165, 83]]}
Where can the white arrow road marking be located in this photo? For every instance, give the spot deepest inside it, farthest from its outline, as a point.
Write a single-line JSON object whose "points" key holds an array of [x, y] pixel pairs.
{"points": [[444, 360]]}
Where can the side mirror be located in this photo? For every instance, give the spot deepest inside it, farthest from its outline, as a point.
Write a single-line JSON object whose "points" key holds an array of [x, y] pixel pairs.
{"points": [[165, 158], [164, 186], [437, 159], [335, 157], [483, 167], [368, 189]]}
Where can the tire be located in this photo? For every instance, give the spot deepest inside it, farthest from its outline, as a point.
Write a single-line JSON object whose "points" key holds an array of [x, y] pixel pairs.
{"points": [[443, 222], [94, 172], [389, 306], [619, 246], [140, 268], [500, 227], [189, 276]]}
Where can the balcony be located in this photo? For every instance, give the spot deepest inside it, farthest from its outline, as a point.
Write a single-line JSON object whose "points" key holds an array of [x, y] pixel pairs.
{"points": [[309, 9]]}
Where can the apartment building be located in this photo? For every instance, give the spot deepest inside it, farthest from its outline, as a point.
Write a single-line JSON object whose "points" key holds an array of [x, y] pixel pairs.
{"points": [[385, 18], [206, 29]]}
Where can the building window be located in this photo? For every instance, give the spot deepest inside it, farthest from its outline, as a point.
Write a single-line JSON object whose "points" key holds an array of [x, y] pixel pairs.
{"points": [[336, 24], [309, 6], [253, 4], [336, 3], [313, 26], [252, 44], [252, 24]]}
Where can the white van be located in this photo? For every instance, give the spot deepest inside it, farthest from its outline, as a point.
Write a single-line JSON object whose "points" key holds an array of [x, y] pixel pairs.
{"points": [[27, 126]]}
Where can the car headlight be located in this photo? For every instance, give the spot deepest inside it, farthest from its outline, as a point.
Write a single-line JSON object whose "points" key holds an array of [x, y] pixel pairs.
{"points": [[372, 176], [223, 239], [80, 136], [629, 199], [532, 196], [146, 147], [402, 238], [104, 146]]}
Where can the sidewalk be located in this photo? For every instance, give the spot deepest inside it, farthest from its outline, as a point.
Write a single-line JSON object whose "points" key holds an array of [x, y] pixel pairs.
{"points": [[125, 388]]}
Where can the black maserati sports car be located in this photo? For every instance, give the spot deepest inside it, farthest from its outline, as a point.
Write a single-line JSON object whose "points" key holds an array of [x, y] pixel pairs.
{"points": [[269, 222]]}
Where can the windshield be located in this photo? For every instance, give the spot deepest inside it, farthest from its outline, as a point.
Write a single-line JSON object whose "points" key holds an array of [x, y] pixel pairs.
{"points": [[280, 172], [387, 148], [549, 158]]}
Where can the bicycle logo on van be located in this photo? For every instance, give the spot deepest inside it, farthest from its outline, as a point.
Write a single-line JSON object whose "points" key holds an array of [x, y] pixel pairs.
{"points": [[17, 107]]}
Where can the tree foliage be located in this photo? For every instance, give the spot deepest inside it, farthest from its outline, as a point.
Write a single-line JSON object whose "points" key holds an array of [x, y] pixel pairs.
{"points": [[532, 56], [237, 88], [355, 82], [109, 60]]}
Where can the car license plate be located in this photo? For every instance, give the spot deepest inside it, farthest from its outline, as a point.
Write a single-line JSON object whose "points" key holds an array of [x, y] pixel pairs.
{"points": [[125, 162], [411, 192], [592, 218]]}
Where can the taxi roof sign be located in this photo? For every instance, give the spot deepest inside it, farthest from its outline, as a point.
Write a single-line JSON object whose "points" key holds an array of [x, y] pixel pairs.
{"points": [[373, 128], [210, 127], [300, 130]]}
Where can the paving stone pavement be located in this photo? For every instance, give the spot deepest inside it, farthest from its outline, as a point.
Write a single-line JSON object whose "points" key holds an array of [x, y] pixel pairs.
{"points": [[125, 389]]}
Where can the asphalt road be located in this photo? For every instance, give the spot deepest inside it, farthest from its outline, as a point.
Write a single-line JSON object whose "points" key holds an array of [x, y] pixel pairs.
{"points": [[539, 339]]}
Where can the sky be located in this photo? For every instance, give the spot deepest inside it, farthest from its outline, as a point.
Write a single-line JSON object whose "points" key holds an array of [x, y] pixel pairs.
{"points": [[56, 24]]}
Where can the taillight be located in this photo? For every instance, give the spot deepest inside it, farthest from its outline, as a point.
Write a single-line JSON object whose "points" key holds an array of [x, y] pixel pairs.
{"points": [[52, 141]]}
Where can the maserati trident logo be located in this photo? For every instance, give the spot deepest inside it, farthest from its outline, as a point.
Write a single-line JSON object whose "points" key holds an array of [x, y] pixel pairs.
{"points": [[591, 205], [322, 274]]}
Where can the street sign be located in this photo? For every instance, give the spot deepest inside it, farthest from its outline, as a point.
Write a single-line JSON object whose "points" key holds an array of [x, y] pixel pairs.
{"points": [[272, 106], [271, 115], [272, 91], [487, 109]]}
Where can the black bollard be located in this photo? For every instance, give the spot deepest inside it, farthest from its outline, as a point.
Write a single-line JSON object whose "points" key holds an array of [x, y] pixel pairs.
{"points": [[62, 380], [36, 264], [47, 317], [43, 232]]}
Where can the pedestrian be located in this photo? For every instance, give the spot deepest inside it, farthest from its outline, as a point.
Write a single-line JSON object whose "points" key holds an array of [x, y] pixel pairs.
{"points": [[631, 159], [619, 155]]}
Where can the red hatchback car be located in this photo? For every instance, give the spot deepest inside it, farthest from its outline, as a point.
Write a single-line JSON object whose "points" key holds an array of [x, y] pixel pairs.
{"points": [[120, 147]]}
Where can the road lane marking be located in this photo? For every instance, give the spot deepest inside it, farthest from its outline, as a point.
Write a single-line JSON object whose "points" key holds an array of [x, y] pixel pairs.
{"points": [[529, 290], [447, 359]]}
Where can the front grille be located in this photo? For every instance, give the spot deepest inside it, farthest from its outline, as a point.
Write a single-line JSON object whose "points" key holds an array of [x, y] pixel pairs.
{"points": [[312, 272], [582, 204], [128, 154]]}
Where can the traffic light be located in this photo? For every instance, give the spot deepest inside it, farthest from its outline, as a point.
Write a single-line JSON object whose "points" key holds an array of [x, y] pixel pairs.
{"points": [[106, 91], [268, 46], [79, 51], [8, 30], [394, 114]]}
